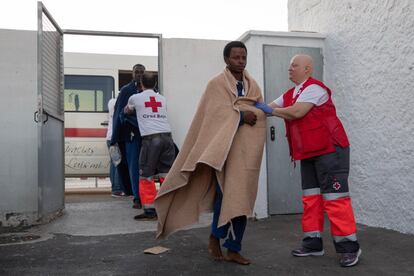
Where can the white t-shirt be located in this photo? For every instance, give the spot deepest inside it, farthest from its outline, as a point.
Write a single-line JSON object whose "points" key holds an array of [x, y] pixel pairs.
{"points": [[151, 110], [312, 94], [111, 106]]}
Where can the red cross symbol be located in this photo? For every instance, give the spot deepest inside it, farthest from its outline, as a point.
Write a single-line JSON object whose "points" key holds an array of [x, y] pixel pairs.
{"points": [[336, 185], [153, 104]]}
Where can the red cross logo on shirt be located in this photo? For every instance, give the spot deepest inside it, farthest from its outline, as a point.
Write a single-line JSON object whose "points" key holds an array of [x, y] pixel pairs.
{"points": [[153, 104]]}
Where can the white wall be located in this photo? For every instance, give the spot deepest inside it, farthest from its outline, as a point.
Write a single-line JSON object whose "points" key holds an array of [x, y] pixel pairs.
{"points": [[369, 64], [188, 64], [103, 61], [18, 139]]}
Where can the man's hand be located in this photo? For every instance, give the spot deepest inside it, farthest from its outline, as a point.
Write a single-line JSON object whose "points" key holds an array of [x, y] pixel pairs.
{"points": [[128, 110], [264, 107], [249, 118]]}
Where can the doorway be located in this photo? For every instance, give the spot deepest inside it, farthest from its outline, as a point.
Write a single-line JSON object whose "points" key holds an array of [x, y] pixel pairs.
{"points": [[124, 77], [81, 145], [283, 177]]}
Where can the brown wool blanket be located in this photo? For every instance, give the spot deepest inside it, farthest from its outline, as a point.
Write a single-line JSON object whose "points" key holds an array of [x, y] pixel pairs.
{"points": [[215, 146]]}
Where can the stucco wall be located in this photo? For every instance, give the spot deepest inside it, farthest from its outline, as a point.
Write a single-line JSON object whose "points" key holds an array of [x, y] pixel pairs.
{"points": [[369, 64], [18, 139], [188, 65]]}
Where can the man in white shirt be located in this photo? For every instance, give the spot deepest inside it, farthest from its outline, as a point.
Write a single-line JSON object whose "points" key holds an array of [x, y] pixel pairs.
{"points": [[157, 150], [312, 94]]}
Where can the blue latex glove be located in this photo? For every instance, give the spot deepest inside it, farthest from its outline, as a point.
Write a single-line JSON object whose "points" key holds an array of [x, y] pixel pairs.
{"points": [[264, 107]]}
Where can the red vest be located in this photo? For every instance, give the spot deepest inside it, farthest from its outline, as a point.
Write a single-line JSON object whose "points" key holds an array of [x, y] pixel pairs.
{"points": [[318, 131]]}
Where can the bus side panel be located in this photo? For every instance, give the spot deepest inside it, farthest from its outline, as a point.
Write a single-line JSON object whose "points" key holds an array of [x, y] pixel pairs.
{"points": [[86, 157]]}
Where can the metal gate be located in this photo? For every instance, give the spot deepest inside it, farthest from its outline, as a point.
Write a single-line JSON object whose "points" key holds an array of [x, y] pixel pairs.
{"points": [[50, 115], [50, 106], [284, 187]]}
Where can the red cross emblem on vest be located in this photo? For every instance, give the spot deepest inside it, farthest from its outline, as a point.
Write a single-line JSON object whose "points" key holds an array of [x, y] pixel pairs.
{"points": [[153, 104]]}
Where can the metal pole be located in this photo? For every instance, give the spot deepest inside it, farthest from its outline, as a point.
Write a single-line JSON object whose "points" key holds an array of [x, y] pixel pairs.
{"points": [[160, 66], [104, 33], [39, 110], [46, 12]]}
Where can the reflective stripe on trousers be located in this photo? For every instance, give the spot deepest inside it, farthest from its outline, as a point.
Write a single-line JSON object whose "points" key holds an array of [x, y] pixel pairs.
{"points": [[338, 208]]}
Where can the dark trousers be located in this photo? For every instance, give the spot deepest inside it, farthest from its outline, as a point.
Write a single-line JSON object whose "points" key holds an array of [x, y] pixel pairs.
{"points": [[128, 168], [132, 149], [238, 225], [122, 170], [325, 190], [156, 157]]}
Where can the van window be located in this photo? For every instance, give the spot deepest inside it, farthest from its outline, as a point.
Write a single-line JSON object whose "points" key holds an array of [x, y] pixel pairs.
{"points": [[88, 93]]}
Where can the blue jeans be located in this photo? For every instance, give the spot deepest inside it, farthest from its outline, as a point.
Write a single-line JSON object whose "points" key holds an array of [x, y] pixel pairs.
{"points": [[116, 181], [132, 149], [238, 224]]}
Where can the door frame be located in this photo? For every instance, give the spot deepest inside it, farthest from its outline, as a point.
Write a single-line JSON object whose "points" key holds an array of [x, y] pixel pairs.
{"points": [[41, 114]]}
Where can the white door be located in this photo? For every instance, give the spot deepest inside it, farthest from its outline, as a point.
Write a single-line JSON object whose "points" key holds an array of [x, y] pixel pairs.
{"points": [[284, 185]]}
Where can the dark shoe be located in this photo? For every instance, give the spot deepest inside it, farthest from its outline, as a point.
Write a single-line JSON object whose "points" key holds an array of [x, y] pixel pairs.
{"points": [[145, 216], [137, 204], [350, 259], [304, 252], [118, 194]]}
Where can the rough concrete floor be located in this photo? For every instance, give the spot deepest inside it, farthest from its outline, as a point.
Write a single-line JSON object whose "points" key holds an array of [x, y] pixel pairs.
{"points": [[97, 236]]}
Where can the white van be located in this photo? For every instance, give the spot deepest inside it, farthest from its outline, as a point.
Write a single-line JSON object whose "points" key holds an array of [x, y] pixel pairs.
{"points": [[91, 80]]}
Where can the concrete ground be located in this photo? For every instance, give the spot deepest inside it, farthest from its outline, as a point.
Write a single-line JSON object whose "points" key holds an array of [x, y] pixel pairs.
{"points": [[97, 236]]}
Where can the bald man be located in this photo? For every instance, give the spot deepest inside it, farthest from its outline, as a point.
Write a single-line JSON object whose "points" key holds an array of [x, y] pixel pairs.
{"points": [[317, 138]]}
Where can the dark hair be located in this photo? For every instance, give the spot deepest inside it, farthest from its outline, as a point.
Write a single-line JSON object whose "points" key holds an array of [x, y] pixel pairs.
{"points": [[149, 80], [138, 65], [233, 44]]}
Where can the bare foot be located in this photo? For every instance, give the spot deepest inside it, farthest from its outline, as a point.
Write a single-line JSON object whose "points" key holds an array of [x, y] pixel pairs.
{"points": [[214, 248], [236, 258]]}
